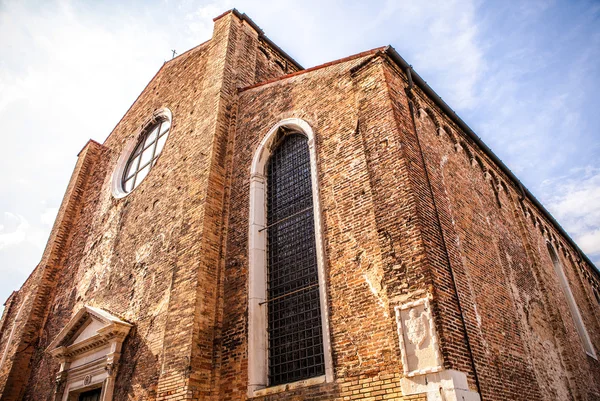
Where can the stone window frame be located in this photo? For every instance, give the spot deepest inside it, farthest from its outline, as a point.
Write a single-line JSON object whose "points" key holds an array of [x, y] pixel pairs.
{"points": [[257, 256], [162, 114], [584, 336]]}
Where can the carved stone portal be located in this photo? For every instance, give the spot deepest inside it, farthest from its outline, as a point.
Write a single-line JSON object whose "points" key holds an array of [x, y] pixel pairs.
{"points": [[88, 349]]}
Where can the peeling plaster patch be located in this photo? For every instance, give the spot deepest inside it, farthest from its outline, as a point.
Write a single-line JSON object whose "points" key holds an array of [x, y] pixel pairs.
{"points": [[97, 264], [538, 336], [444, 161], [373, 278], [143, 252], [477, 316]]}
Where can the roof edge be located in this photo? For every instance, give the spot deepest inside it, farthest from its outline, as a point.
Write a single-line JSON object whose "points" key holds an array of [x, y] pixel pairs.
{"points": [[317, 67], [89, 142], [261, 34], [393, 54]]}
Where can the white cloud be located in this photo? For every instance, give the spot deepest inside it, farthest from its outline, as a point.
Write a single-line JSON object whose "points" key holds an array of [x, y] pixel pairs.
{"points": [[16, 236], [590, 242], [17, 231], [450, 48], [574, 200]]}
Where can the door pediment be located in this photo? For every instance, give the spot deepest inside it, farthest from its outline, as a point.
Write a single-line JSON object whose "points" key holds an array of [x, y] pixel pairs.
{"points": [[90, 328]]}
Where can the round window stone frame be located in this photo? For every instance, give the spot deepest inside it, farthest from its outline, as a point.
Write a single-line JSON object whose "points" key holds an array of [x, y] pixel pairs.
{"points": [[162, 114]]}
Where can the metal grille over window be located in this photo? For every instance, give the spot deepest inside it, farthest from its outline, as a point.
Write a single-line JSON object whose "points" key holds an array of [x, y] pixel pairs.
{"points": [[294, 314], [145, 154]]}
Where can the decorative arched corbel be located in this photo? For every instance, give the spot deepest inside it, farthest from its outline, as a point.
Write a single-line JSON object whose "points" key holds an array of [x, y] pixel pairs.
{"points": [[432, 116], [468, 152]]}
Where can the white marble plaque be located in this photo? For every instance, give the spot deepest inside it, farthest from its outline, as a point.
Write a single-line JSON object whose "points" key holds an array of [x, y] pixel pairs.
{"points": [[418, 339]]}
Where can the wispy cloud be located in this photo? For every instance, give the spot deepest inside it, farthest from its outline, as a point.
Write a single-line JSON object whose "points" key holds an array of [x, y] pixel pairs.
{"points": [[48, 216], [15, 236], [15, 229], [444, 37], [574, 199]]}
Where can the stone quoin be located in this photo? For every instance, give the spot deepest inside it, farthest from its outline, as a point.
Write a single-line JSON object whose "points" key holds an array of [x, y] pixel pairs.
{"points": [[254, 230]]}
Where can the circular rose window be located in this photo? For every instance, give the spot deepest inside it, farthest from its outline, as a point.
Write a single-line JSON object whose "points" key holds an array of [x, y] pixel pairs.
{"points": [[140, 156]]}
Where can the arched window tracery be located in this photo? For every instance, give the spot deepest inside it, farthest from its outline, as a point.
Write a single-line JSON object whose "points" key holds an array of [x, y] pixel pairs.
{"points": [[294, 315]]}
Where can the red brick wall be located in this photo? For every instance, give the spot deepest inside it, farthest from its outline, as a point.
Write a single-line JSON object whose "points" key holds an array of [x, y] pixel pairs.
{"points": [[364, 344], [522, 336]]}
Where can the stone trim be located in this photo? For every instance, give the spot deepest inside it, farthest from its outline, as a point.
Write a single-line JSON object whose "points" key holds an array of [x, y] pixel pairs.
{"points": [[91, 362], [584, 336], [257, 312], [313, 381], [116, 179], [424, 373]]}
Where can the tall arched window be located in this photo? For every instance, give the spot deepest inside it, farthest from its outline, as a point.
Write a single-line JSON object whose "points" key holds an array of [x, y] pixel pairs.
{"points": [[294, 315], [577, 319], [288, 327]]}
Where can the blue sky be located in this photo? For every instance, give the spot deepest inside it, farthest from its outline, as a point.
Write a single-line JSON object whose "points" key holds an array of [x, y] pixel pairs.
{"points": [[524, 75]]}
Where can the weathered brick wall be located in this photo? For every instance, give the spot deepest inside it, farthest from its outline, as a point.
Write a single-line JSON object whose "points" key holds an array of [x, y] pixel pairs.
{"points": [[123, 253], [434, 267], [362, 328], [18, 305], [270, 63], [410, 209], [520, 329]]}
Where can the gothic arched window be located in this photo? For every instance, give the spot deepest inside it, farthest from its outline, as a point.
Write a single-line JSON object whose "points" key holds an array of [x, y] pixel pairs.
{"points": [[294, 315], [287, 315], [575, 314]]}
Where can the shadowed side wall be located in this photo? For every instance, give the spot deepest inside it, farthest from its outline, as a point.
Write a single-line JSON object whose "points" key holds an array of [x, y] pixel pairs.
{"points": [[520, 330], [24, 319]]}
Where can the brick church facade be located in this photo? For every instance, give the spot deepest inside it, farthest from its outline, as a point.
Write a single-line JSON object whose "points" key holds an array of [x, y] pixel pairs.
{"points": [[254, 230]]}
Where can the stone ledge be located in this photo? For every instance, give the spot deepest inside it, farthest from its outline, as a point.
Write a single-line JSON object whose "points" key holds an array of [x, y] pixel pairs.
{"points": [[447, 385], [289, 386]]}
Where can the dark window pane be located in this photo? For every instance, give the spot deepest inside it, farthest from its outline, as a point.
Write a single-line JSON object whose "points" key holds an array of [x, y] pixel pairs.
{"points": [[294, 313], [93, 395]]}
